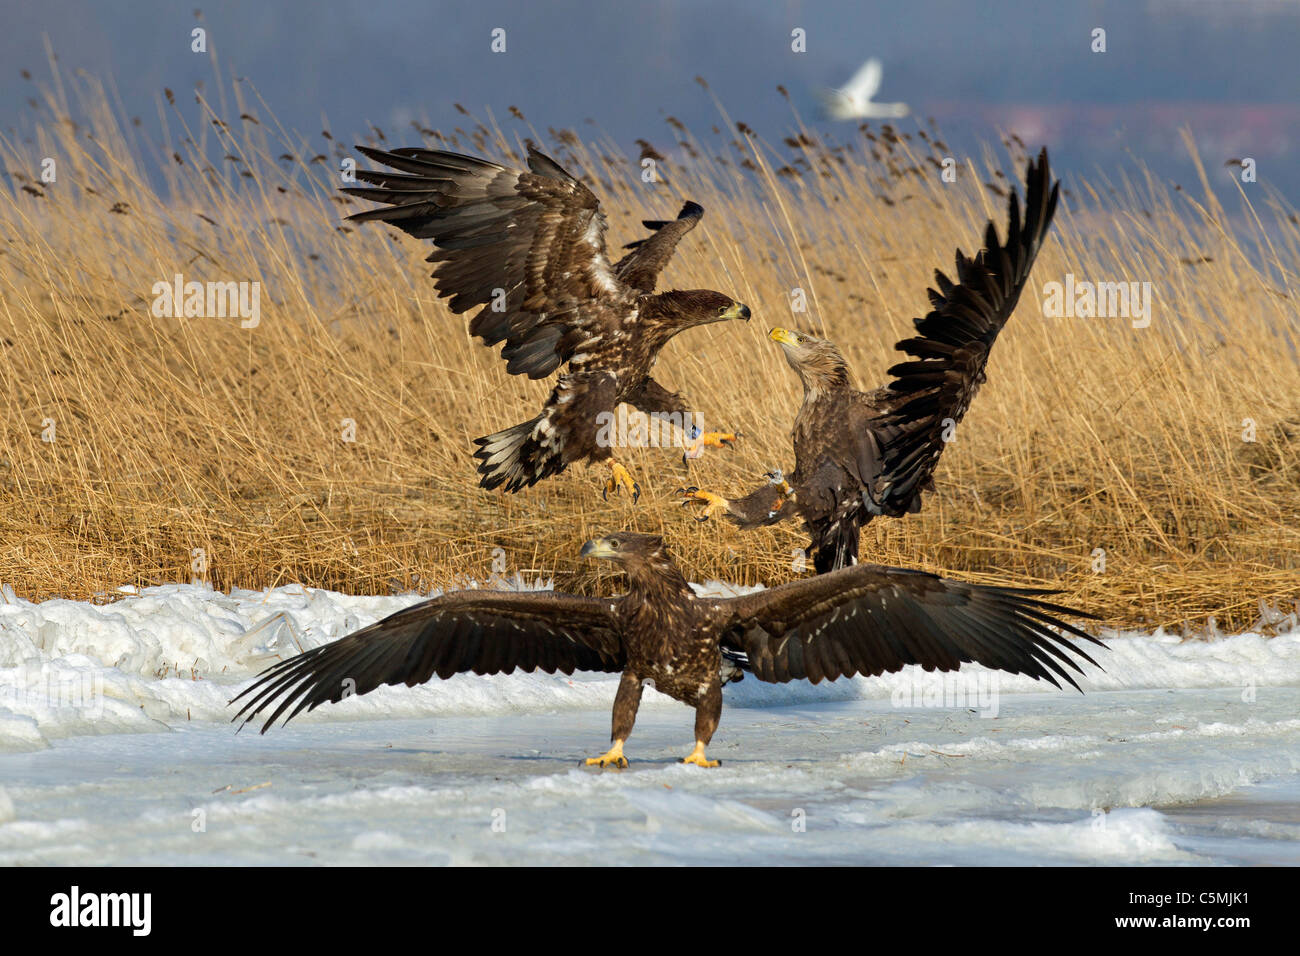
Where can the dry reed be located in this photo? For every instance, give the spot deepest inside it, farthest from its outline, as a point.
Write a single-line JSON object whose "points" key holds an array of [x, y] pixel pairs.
{"points": [[172, 436]]}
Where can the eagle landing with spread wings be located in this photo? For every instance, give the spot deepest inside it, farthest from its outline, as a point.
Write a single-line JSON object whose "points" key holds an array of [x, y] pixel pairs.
{"points": [[528, 249], [859, 455], [867, 619]]}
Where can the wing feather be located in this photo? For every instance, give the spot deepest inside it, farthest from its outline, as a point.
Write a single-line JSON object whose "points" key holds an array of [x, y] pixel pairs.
{"points": [[640, 268], [952, 346], [526, 246], [870, 620], [486, 632], [865, 83]]}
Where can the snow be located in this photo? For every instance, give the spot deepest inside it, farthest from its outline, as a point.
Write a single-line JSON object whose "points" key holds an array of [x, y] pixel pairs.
{"points": [[116, 747]]}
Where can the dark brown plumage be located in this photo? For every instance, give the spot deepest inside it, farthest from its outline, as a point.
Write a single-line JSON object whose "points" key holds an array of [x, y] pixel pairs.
{"points": [[640, 268], [859, 455], [528, 247], [866, 619]]}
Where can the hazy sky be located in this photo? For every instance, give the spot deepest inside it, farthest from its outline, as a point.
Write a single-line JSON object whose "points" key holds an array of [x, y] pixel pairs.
{"points": [[1227, 68]]}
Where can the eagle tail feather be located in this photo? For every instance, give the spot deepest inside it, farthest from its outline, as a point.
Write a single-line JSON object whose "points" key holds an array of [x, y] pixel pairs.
{"points": [[519, 456], [836, 545]]}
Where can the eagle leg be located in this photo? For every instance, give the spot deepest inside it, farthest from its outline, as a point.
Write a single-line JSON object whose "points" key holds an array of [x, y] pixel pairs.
{"points": [[777, 477], [708, 711], [626, 702], [620, 479], [713, 504], [709, 439]]}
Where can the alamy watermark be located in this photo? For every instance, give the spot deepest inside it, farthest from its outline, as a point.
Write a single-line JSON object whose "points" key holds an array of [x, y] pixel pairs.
{"points": [[1084, 299], [632, 428], [953, 690], [49, 687], [179, 299], [132, 911]]}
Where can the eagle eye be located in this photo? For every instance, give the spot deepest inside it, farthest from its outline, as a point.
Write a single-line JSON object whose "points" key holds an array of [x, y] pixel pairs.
{"points": [[722, 310], [613, 542]]}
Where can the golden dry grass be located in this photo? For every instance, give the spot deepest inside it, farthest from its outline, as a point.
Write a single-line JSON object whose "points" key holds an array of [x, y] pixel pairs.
{"points": [[174, 435]]}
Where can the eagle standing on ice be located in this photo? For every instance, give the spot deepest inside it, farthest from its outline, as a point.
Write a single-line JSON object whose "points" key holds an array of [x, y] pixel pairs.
{"points": [[529, 247], [867, 619], [860, 454]]}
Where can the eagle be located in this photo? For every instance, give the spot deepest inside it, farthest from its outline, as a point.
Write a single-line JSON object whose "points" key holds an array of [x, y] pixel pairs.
{"points": [[528, 247], [866, 619], [863, 454]]}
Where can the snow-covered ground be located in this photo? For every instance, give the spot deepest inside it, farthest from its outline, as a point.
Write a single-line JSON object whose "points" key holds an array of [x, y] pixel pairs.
{"points": [[115, 747]]}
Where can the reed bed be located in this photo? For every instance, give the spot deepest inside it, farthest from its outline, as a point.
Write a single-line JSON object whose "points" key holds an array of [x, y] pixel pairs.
{"points": [[137, 449]]}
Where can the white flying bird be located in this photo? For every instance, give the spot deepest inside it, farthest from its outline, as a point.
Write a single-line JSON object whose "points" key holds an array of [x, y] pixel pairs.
{"points": [[853, 101]]}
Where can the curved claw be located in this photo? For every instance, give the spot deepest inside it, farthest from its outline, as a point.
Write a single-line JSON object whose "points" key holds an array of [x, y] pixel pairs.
{"points": [[777, 477], [712, 503], [701, 762], [706, 439], [620, 762], [697, 757], [619, 480], [613, 758]]}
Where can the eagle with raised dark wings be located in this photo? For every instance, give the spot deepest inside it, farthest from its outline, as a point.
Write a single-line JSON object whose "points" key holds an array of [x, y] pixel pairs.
{"points": [[529, 249], [866, 619], [858, 454]]}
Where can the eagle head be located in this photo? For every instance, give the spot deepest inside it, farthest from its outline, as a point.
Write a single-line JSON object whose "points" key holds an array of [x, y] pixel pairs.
{"points": [[698, 307], [625, 547], [818, 362], [643, 558]]}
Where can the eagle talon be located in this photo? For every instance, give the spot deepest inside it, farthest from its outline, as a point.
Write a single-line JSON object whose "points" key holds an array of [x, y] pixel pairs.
{"points": [[614, 758], [707, 439], [697, 757], [777, 477], [713, 504], [619, 480]]}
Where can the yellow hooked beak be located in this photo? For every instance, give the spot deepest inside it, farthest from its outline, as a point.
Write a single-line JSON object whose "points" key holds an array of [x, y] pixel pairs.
{"points": [[737, 311], [783, 336], [597, 548]]}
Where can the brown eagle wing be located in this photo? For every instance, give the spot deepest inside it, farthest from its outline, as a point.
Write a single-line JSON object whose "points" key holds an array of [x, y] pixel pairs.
{"points": [[954, 340], [869, 619], [640, 268], [537, 238], [486, 632]]}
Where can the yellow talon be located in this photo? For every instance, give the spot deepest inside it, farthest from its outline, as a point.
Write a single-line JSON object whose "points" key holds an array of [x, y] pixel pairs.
{"points": [[620, 479], [709, 439], [713, 504], [614, 758], [778, 478], [697, 757]]}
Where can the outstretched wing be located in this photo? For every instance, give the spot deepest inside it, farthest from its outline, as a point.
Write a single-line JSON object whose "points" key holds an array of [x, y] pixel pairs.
{"points": [[640, 268], [529, 247], [870, 620], [931, 393], [866, 82], [487, 632]]}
